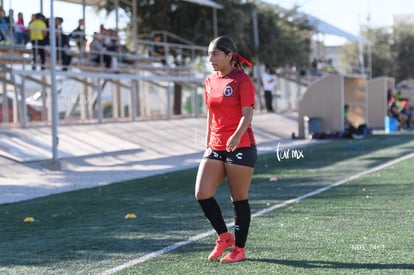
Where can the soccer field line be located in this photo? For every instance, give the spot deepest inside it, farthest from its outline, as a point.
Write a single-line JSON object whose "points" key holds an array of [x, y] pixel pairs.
{"points": [[256, 214]]}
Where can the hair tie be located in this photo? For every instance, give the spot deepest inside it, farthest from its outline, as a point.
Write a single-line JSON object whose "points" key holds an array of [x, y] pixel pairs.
{"points": [[243, 60]]}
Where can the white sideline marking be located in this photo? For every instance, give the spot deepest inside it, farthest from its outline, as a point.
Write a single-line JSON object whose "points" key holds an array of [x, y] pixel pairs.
{"points": [[257, 214]]}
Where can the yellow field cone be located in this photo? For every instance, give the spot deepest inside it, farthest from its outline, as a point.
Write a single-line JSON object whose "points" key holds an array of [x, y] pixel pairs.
{"points": [[29, 219], [130, 216]]}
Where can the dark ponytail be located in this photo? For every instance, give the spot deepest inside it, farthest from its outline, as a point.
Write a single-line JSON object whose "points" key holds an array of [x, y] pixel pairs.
{"points": [[227, 45]]}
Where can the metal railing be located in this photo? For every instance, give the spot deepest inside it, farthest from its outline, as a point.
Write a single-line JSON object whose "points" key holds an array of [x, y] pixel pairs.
{"points": [[144, 80]]}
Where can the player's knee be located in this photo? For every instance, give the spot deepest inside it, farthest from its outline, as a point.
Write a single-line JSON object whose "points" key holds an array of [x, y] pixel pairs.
{"points": [[239, 196], [203, 194]]}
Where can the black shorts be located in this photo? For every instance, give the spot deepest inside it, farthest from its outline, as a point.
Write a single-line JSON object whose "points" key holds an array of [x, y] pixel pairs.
{"points": [[245, 156]]}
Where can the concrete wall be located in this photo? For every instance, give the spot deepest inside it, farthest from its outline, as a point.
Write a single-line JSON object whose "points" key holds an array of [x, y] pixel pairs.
{"points": [[377, 100]]}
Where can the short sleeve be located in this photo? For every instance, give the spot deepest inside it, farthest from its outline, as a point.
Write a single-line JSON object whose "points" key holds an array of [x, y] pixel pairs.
{"points": [[247, 92]]}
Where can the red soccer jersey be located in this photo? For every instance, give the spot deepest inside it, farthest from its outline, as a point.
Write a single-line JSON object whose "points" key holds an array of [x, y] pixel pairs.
{"points": [[225, 96]]}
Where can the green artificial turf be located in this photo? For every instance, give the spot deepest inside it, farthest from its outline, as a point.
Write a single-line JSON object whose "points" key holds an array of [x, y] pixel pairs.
{"points": [[364, 226]]}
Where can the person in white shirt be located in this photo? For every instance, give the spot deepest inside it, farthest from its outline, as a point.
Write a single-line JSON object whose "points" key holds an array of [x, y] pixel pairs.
{"points": [[97, 51], [268, 82]]}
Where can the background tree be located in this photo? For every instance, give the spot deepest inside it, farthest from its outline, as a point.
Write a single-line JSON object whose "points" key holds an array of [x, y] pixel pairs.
{"points": [[381, 51], [284, 36], [403, 50], [405, 58], [392, 52]]}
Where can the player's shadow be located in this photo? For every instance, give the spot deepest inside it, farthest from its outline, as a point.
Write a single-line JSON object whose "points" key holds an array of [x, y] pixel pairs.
{"points": [[336, 265]]}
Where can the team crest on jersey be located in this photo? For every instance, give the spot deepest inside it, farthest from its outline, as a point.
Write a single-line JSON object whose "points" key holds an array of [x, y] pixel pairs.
{"points": [[228, 90]]}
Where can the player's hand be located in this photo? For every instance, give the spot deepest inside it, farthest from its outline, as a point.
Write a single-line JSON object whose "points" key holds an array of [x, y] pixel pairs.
{"points": [[232, 143]]}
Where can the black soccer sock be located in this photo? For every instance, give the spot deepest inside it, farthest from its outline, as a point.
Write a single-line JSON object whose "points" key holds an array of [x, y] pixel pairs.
{"points": [[242, 218], [212, 212]]}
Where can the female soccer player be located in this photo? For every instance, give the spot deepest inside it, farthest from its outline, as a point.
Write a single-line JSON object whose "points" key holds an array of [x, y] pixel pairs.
{"points": [[231, 147]]}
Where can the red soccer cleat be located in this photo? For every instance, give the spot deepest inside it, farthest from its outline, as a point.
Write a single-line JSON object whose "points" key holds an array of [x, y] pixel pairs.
{"points": [[224, 241], [237, 254]]}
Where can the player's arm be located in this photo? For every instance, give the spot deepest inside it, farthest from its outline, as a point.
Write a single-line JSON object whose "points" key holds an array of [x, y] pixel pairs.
{"points": [[208, 129], [244, 123]]}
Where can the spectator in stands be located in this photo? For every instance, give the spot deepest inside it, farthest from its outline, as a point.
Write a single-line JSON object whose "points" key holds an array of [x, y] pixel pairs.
{"points": [[62, 45], [102, 29], [33, 18], [124, 51], [47, 38], [79, 36], [409, 113], [330, 67], [58, 23], [396, 109], [314, 70], [11, 22], [112, 44], [406, 109], [20, 30], [111, 40], [268, 82], [98, 53], [38, 30], [4, 26], [157, 49]]}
